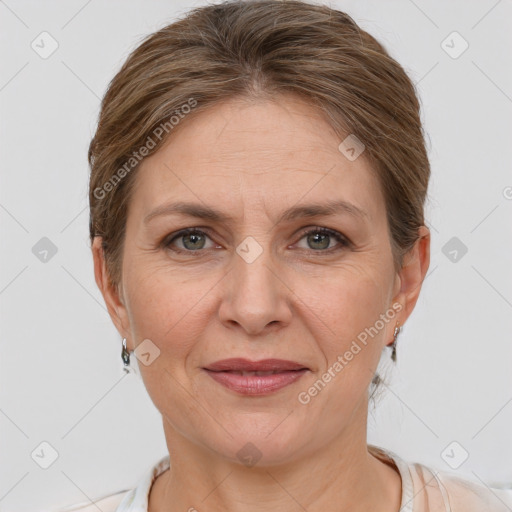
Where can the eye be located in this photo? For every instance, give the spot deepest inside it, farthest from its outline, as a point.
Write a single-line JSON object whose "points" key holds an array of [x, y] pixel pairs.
{"points": [[192, 240], [320, 239]]}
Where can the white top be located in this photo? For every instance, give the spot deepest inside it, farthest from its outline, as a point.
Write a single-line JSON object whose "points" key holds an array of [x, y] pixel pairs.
{"points": [[423, 490]]}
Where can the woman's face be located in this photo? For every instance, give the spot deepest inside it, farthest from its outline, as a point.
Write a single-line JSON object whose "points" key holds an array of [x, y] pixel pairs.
{"points": [[257, 284]]}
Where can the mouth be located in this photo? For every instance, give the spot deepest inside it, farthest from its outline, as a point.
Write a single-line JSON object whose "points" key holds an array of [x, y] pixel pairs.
{"points": [[256, 373], [239, 364], [255, 377]]}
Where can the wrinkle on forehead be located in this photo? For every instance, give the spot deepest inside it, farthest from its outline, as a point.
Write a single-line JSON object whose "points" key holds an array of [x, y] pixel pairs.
{"points": [[241, 156]]}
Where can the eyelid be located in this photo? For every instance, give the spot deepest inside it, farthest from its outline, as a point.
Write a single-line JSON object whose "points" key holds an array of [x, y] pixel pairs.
{"points": [[342, 240], [182, 232]]}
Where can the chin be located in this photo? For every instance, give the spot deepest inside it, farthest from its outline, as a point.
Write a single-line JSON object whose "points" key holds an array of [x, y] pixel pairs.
{"points": [[267, 442]]}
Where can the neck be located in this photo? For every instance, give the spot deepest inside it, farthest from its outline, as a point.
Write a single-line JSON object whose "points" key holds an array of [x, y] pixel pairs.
{"points": [[342, 475]]}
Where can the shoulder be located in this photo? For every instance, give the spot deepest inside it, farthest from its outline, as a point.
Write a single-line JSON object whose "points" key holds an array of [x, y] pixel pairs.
{"points": [[106, 504], [468, 495], [428, 489], [130, 500], [460, 494]]}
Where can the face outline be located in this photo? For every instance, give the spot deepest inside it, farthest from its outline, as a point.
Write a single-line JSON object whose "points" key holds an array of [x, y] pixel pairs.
{"points": [[292, 302]]}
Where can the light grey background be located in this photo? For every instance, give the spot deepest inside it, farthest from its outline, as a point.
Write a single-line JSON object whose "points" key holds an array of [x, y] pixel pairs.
{"points": [[60, 368]]}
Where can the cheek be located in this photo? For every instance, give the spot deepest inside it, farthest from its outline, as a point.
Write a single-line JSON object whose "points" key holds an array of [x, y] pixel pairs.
{"points": [[161, 305], [346, 301], [342, 316], [167, 311], [343, 313]]}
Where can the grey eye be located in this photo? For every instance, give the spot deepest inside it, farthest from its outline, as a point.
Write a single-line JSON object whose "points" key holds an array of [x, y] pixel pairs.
{"points": [[321, 240], [193, 241]]}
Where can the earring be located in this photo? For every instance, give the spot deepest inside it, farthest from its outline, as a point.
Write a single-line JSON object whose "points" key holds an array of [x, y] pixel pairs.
{"points": [[393, 345], [125, 356]]}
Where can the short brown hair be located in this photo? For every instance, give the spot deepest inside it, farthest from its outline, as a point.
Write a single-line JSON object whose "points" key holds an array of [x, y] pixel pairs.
{"points": [[262, 48]]}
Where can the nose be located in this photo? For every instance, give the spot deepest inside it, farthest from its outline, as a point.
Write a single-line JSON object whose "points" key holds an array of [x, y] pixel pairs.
{"points": [[255, 296]]}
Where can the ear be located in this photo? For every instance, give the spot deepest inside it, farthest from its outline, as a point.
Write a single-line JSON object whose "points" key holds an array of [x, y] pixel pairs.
{"points": [[410, 277], [111, 294]]}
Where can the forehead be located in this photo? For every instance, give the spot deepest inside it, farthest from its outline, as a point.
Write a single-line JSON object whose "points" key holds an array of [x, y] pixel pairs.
{"points": [[256, 154]]}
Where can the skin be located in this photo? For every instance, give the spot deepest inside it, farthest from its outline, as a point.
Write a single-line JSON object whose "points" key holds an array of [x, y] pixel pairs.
{"points": [[299, 300]]}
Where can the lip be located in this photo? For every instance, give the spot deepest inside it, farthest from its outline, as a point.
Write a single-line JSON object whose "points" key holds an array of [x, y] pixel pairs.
{"points": [[228, 372], [256, 384], [265, 365]]}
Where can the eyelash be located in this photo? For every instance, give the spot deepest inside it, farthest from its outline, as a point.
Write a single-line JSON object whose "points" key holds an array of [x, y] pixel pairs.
{"points": [[343, 242]]}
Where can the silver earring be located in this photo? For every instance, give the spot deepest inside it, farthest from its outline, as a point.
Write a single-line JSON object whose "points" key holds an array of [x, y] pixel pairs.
{"points": [[125, 356], [393, 345]]}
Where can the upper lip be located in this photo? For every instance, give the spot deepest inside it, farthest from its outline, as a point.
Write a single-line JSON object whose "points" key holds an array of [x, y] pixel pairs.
{"points": [[240, 364]]}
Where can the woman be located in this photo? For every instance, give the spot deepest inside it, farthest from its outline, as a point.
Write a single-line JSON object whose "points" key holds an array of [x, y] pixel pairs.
{"points": [[258, 179]]}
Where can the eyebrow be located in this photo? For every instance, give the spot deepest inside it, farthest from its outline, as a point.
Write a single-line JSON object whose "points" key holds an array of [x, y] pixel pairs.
{"points": [[201, 211]]}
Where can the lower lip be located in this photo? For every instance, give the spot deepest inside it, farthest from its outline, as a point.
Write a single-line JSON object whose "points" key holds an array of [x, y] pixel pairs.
{"points": [[256, 384]]}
